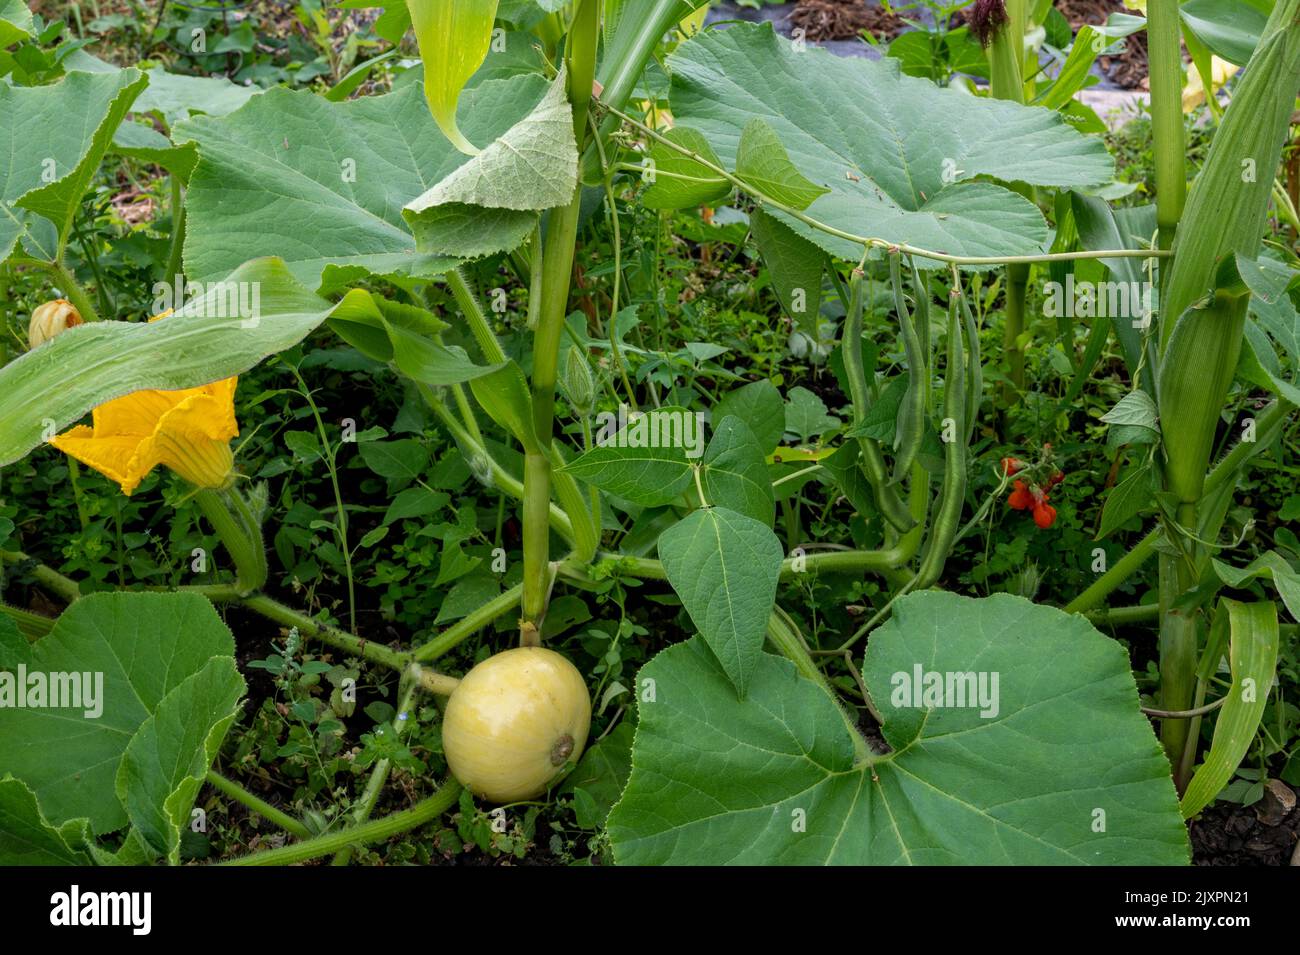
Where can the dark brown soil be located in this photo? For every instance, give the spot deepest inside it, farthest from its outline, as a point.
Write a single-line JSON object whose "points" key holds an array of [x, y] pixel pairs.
{"points": [[844, 20], [1129, 69], [1229, 834]]}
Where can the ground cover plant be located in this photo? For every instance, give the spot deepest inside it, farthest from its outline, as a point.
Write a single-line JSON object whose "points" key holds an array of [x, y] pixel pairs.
{"points": [[586, 432]]}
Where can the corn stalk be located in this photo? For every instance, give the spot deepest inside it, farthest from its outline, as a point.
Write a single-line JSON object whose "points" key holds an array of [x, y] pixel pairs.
{"points": [[1006, 55], [1203, 312]]}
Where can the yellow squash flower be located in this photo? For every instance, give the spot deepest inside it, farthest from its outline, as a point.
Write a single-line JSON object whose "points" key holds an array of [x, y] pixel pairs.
{"points": [[189, 431]]}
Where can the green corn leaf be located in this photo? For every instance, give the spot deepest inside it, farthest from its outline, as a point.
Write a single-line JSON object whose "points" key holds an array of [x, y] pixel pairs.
{"points": [[454, 36], [1230, 29], [1088, 45], [211, 337], [1229, 200], [1253, 658]]}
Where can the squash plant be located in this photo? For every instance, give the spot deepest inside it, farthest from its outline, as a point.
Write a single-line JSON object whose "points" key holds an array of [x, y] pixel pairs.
{"points": [[1012, 732]]}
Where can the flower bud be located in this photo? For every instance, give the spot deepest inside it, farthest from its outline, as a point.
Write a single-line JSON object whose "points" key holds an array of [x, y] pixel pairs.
{"points": [[50, 319], [578, 382]]}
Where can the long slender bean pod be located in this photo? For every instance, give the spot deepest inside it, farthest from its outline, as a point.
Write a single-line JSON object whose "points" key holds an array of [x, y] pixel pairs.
{"points": [[891, 506], [910, 428], [953, 494]]}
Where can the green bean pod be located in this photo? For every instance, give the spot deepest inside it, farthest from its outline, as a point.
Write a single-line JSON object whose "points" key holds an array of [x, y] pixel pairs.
{"points": [[952, 496], [910, 429], [974, 370], [891, 506]]}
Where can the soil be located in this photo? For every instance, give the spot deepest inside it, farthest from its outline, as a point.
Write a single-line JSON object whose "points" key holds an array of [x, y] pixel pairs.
{"points": [[844, 20], [1128, 70], [1230, 834]]}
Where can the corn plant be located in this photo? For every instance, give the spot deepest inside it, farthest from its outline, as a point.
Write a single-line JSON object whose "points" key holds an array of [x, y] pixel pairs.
{"points": [[1013, 731]]}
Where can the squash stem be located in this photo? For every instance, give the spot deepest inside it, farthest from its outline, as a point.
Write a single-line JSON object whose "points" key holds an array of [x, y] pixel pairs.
{"points": [[260, 806], [377, 830]]}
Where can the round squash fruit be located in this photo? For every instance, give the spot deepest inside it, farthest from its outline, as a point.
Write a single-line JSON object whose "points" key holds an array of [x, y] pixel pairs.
{"points": [[514, 721]]}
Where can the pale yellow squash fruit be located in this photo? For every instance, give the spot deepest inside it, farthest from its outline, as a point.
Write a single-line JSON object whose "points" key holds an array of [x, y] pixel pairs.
{"points": [[513, 723]]}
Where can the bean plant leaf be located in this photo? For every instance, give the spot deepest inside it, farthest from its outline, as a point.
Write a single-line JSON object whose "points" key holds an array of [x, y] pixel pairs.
{"points": [[52, 139], [1130, 497], [724, 566], [491, 203], [1133, 420], [735, 473], [759, 405], [677, 181], [1253, 644], [1062, 767], [762, 162], [886, 145], [213, 336], [795, 265], [322, 184], [806, 415], [136, 655], [641, 460]]}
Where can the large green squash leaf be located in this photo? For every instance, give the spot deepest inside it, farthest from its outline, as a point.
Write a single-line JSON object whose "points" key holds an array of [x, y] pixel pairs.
{"points": [[51, 141], [26, 836], [15, 22], [168, 757], [1067, 771], [53, 386], [897, 153], [491, 203], [169, 692], [176, 96], [323, 184]]}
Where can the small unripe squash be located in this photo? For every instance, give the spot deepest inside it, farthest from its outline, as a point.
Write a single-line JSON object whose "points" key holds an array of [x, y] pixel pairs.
{"points": [[514, 721]]}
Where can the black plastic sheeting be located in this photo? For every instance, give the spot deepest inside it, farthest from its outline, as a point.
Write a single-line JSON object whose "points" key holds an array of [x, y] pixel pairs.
{"points": [[778, 14]]}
